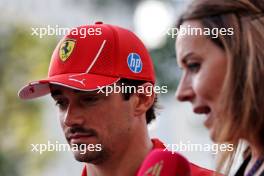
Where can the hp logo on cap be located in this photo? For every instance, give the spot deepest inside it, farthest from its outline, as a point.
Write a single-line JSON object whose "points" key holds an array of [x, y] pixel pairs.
{"points": [[134, 62]]}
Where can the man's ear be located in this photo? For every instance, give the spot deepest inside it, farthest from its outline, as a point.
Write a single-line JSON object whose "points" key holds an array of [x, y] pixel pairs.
{"points": [[146, 96]]}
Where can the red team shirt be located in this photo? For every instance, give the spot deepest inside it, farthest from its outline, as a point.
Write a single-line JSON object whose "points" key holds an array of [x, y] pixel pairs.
{"points": [[195, 170]]}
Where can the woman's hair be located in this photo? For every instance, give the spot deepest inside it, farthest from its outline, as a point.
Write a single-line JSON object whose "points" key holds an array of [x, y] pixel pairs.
{"points": [[242, 103]]}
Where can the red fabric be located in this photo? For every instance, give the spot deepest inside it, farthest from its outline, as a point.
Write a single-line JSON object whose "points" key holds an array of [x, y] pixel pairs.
{"points": [[163, 163], [195, 170], [84, 172], [84, 63]]}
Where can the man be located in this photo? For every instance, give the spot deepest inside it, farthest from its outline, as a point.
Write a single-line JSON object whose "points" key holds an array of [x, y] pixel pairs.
{"points": [[111, 125]]}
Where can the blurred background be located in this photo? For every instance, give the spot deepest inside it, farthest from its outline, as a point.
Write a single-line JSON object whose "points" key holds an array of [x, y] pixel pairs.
{"points": [[24, 57]]}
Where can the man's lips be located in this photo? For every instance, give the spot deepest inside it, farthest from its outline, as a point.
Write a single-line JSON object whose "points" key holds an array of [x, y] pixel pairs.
{"points": [[79, 137]]}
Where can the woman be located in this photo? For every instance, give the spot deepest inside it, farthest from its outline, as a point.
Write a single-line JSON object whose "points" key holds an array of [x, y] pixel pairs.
{"points": [[223, 75]]}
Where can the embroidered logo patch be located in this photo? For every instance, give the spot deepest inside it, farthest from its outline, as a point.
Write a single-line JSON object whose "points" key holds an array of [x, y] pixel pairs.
{"points": [[134, 62], [66, 49]]}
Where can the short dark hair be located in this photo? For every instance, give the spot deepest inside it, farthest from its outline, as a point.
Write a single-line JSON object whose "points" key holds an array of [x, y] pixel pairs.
{"points": [[150, 114]]}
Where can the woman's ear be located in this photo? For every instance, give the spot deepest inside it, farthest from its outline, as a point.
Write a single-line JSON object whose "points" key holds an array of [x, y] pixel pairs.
{"points": [[146, 96]]}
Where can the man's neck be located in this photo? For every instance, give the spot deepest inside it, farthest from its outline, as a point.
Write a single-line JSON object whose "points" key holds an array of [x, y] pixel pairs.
{"points": [[126, 162]]}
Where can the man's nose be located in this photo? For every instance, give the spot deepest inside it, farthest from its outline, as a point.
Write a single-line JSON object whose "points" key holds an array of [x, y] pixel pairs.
{"points": [[184, 91], [73, 116]]}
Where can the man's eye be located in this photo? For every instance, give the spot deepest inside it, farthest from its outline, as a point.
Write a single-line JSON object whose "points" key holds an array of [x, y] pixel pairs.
{"points": [[194, 67], [61, 103]]}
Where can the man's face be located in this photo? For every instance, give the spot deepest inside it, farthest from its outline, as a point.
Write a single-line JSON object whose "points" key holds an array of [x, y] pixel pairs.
{"points": [[95, 119]]}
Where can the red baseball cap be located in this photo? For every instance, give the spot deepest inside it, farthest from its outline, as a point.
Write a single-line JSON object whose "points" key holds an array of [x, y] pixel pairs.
{"points": [[91, 56]]}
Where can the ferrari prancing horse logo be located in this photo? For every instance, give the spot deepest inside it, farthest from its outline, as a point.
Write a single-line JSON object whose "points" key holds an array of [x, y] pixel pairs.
{"points": [[66, 49]]}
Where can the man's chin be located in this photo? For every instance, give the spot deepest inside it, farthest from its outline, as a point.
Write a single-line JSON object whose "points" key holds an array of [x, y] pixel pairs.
{"points": [[93, 157]]}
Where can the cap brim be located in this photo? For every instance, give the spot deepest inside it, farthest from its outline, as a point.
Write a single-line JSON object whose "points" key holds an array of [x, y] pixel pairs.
{"points": [[83, 82]]}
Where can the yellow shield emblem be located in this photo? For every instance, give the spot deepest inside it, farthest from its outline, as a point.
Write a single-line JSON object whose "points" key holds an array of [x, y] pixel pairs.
{"points": [[66, 49]]}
